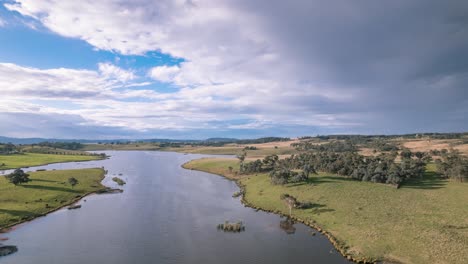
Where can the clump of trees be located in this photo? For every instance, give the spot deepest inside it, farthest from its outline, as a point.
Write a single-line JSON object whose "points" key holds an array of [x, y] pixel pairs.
{"points": [[347, 145], [62, 145], [18, 177], [436, 152], [406, 136], [452, 165], [262, 140], [7, 149], [250, 148], [285, 175], [380, 169], [169, 145], [334, 146], [382, 145]]}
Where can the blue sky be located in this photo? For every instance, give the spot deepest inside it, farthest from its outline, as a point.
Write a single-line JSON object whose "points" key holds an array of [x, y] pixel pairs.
{"points": [[199, 69]]}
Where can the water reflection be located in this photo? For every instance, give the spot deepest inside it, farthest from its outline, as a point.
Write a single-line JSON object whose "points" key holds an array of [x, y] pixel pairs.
{"points": [[288, 226]]}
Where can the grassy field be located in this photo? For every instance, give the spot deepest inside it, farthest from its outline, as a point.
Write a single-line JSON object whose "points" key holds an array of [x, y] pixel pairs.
{"points": [[143, 146], [36, 159], [27, 201], [280, 148], [284, 147], [425, 221]]}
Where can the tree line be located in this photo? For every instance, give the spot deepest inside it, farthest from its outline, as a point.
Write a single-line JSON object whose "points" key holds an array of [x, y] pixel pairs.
{"points": [[8, 148], [380, 169], [452, 165], [61, 145]]}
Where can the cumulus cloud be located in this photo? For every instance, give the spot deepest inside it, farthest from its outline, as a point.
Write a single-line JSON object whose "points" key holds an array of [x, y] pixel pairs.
{"points": [[111, 71], [16, 80], [164, 73], [348, 66]]}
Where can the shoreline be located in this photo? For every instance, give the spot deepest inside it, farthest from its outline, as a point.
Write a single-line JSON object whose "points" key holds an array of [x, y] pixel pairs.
{"points": [[50, 163], [340, 246], [12, 226], [103, 190]]}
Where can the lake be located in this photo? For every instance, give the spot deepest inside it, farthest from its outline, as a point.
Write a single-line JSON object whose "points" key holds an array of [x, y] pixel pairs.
{"points": [[166, 214]]}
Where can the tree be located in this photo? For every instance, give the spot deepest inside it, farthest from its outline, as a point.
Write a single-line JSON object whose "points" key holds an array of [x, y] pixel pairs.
{"points": [[72, 181], [241, 158], [419, 155], [270, 161], [290, 201], [281, 175], [406, 154], [18, 177], [308, 170]]}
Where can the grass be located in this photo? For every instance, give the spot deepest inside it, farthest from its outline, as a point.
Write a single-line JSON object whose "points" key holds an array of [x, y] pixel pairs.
{"points": [[133, 146], [229, 149], [47, 191], [119, 181], [236, 149], [279, 148], [36, 159], [218, 166], [425, 221]]}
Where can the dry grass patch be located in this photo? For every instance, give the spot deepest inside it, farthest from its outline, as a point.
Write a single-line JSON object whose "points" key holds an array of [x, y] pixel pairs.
{"points": [[424, 145]]}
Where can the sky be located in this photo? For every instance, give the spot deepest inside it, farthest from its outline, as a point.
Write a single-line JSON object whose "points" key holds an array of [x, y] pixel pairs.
{"points": [[195, 69]]}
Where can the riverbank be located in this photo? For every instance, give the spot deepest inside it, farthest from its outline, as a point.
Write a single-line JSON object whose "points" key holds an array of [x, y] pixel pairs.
{"points": [[15, 161], [48, 191], [422, 222], [257, 150]]}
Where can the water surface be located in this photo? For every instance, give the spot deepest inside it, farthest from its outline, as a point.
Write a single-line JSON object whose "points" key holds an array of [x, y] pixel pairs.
{"points": [[166, 214]]}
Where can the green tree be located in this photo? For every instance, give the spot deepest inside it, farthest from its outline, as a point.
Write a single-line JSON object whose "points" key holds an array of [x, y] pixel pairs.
{"points": [[18, 177], [419, 155], [308, 169], [73, 181], [406, 154], [270, 161], [241, 158]]}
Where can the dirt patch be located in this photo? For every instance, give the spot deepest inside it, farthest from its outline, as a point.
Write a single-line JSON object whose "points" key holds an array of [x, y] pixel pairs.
{"points": [[427, 144], [278, 144]]}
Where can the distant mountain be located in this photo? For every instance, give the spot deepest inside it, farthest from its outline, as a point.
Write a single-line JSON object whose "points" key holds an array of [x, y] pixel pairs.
{"points": [[38, 140], [24, 140], [165, 140], [221, 140], [215, 141]]}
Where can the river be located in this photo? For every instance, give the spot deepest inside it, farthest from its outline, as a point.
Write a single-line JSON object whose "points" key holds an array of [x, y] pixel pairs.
{"points": [[166, 214]]}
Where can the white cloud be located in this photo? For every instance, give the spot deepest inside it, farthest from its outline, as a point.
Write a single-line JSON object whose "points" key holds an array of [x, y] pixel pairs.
{"points": [[113, 72], [2, 22], [271, 62], [164, 73], [31, 82]]}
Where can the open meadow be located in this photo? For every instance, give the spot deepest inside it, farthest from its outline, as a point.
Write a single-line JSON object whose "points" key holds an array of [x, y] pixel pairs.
{"points": [[425, 221], [47, 191]]}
